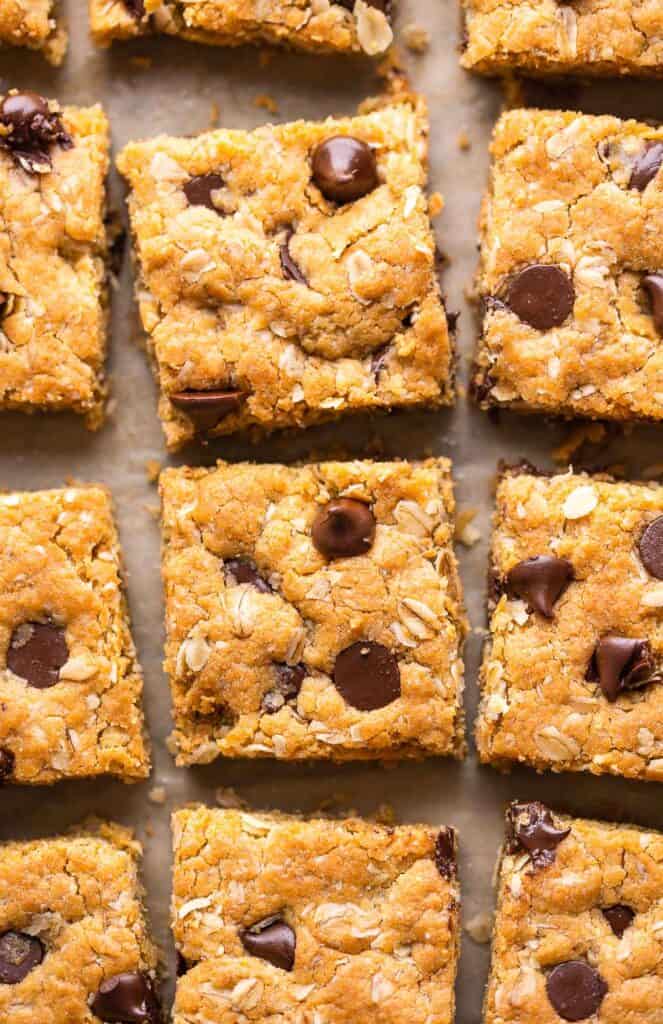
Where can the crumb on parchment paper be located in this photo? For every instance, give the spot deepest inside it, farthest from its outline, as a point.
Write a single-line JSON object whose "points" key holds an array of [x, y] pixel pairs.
{"points": [[416, 38], [435, 205], [152, 469], [480, 927], [465, 532], [266, 102]]}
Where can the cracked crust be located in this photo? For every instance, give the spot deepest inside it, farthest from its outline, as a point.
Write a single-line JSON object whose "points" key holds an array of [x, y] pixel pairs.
{"points": [[53, 253], [595, 37], [81, 895], [537, 705], [219, 311], [376, 924], [223, 638], [551, 915], [60, 560], [559, 193], [33, 23]]}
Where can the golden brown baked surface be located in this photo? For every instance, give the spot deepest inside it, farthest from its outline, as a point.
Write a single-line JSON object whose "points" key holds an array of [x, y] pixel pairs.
{"points": [[260, 620], [35, 24], [368, 920]]}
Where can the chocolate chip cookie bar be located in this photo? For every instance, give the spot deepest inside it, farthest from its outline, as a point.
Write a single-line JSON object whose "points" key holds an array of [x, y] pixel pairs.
{"points": [[572, 677], [70, 685], [74, 943], [53, 252], [34, 24], [579, 929], [313, 611], [276, 918], [322, 26], [570, 272], [287, 275], [623, 37]]}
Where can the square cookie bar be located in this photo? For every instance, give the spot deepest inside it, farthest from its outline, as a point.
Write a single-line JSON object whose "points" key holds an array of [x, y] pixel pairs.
{"points": [[74, 944], [53, 251], [572, 677], [570, 273], [70, 685], [579, 926], [276, 918], [313, 611], [323, 26], [33, 23], [287, 275]]}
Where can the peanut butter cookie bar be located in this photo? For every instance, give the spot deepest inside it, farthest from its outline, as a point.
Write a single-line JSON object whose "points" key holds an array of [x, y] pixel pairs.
{"points": [[33, 23], [74, 944], [287, 275], [53, 251], [572, 677], [579, 926], [70, 685], [570, 274], [313, 611], [276, 918]]}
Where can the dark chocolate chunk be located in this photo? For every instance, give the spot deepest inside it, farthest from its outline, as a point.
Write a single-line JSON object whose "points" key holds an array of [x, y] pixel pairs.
{"points": [[272, 940], [291, 270], [575, 989], [343, 528], [531, 827], [127, 998], [540, 581], [136, 8], [7, 763], [622, 663], [646, 166], [542, 295], [181, 966], [653, 285], [20, 953], [651, 548], [198, 190], [344, 168], [289, 679], [207, 408], [37, 651], [243, 570], [619, 917], [367, 675], [445, 852], [33, 130]]}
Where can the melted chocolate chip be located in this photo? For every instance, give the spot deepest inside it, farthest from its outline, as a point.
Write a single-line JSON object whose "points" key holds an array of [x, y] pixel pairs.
{"points": [[646, 166], [651, 548], [243, 570], [33, 130], [272, 940], [127, 998], [198, 190], [291, 270], [7, 763], [343, 528], [367, 675], [207, 408], [575, 989], [37, 651], [20, 953], [541, 295], [445, 852], [344, 168], [619, 917], [136, 8], [289, 679], [540, 581], [653, 285], [622, 663], [531, 827]]}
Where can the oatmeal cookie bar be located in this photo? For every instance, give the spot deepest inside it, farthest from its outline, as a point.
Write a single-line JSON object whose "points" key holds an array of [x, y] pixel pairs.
{"points": [[276, 918], [323, 26], [313, 611], [579, 927], [53, 251], [33, 23], [74, 942], [70, 685], [288, 275], [572, 677], [570, 275], [592, 37]]}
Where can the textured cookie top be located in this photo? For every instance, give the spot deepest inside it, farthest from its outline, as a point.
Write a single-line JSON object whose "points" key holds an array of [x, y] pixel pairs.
{"points": [[571, 249], [290, 268], [32, 23], [70, 685], [579, 933], [282, 919], [572, 676], [313, 611]]}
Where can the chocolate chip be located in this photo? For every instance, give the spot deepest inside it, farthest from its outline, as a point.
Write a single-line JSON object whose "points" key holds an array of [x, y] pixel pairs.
{"points": [[136, 8], [19, 954], [33, 130], [619, 917], [531, 827], [7, 763], [646, 166], [343, 528], [381, 5], [207, 408], [622, 663], [198, 190], [445, 852], [651, 548], [653, 285], [344, 168], [291, 270], [127, 998], [273, 940], [541, 295], [575, 989], [37, 651], [181, 966], [289, 679], [243, 570], [540, 581], [367, 675]]}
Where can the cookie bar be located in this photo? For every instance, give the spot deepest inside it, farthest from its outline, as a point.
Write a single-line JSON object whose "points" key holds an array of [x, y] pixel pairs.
{"points": [[622, 37], [74, 943], [322, 26], [313, 611], [287, 275], [276, 918], [572, 677], [33, 23], [70, 685], [578, 932], [570, 273], [53, 251]]}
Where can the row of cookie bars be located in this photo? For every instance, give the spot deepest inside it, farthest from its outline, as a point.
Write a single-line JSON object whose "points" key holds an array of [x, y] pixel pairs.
{"points": [[316, 611], [328, 921]]}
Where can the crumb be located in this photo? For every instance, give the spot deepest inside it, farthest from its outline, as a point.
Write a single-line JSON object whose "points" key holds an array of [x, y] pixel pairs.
{"points": [[416, 38], [435, 205], [214, 115], [226, 796], [592, 433], [111, 408], [267, 102], [467, 534], [385, 815], [141, 62], [171, 745], [461, 390], [265, 58], [152, 510], [149, 829], [479, 928], [152, 468], [463, 141], [157, 795]]}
